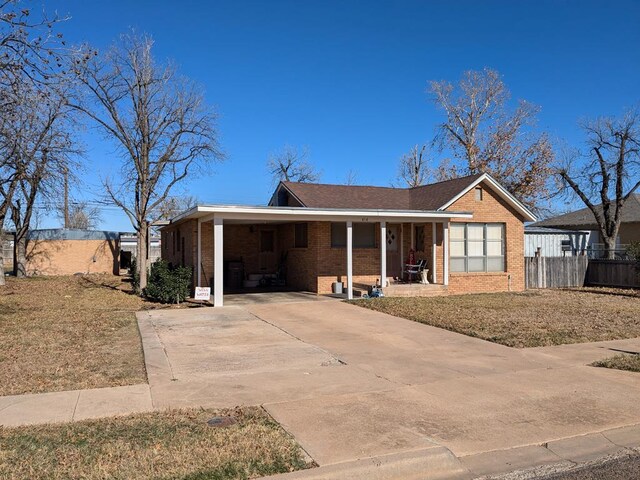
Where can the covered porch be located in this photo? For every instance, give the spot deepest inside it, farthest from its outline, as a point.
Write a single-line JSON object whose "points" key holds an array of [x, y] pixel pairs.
{"points": [[323, 246]]}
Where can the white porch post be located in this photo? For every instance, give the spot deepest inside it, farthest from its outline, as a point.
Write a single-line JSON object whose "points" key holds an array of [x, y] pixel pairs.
{"points": [[434, 257], [350, 260], [383, 254], [218, 259], [445, 254], [199, 283]]}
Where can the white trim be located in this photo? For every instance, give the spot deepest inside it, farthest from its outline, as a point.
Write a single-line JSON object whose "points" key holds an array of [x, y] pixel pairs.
{"points": [[383, 254], [349, 260], [445, 254], [199, 253], [500, 190], [240, 212], [434, 257], [218, 261]]}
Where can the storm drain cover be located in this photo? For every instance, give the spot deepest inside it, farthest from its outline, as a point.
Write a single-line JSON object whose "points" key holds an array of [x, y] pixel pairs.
{"points": [[221, 422]]}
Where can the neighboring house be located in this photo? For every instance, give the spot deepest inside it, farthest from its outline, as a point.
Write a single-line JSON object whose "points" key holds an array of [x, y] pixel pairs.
{"points": [[555, 242], [584, 220], [129, 248], [6, 250], [69, 251], [469, 230]]}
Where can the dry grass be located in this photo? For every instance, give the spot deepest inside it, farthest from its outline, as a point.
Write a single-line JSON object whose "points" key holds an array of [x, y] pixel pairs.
{"points": [[175, 444], [63, 333], [529, 319], [622, 361]]}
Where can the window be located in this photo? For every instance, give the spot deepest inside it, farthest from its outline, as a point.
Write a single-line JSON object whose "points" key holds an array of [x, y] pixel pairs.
{"points": [[477, 247], [478, 194], [364, 235], [301, 235], [419, 238]]}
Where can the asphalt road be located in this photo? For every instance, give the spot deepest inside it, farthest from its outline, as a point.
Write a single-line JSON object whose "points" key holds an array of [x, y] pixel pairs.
{"points": [[619, 467]]}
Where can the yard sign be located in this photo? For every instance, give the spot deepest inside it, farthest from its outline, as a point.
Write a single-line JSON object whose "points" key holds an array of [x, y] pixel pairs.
{"points": [[203, 293]]}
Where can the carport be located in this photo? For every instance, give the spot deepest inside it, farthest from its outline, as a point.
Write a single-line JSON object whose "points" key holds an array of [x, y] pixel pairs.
{"points": [[209, 222]]}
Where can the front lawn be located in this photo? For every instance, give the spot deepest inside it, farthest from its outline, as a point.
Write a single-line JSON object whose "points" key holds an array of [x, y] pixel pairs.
{"points": [[175, 444], [528, 319], [65, 333]]}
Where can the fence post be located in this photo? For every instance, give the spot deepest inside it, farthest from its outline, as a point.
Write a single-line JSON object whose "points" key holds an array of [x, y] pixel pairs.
{"points": [[539, 265]]}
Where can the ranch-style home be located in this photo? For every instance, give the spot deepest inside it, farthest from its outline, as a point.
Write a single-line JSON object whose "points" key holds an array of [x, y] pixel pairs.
{"points": [[467, 234]]}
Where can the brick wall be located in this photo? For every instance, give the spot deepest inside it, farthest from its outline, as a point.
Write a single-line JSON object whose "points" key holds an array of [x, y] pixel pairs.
{"points": [[66, 257], [492, 209]]}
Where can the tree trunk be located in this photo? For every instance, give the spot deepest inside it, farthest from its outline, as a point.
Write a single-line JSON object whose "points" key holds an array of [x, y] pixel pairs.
{"points": [[2, 280], [143, 257], [20, 246], [610, 248]]}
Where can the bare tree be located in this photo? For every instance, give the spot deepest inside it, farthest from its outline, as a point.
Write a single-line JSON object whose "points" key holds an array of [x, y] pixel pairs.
{"points": [[352, 178], [292, 165], [486, 137], [413, 170], [41, 133], [29, 58], [81, 215], [174, 206], [159, 120], [608, 174]]}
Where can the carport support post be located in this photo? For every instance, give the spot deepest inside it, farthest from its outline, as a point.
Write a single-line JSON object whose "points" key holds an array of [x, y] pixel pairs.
{"points": [[199, 284], [434, 258], [445, 255], [383, 254], [217, 262], [350, 260]]}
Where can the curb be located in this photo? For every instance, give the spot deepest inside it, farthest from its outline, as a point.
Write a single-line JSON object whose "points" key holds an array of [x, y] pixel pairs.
{"points": [[436, 463]]}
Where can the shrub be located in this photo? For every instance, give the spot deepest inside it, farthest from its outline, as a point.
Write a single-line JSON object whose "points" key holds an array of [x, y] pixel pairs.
{"points": [[135, 276], [633, 250], [166, 284]]}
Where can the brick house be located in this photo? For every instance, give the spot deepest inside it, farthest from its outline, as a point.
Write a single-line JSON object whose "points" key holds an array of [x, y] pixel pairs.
{"points": [[469, 230]]}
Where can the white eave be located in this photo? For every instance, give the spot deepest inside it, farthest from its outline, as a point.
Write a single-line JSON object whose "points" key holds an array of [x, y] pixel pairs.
{"points": [[500, 190], [260, 213]]}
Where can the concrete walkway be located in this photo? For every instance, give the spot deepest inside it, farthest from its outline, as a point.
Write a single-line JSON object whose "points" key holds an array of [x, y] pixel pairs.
{"points": [[67, 406]]}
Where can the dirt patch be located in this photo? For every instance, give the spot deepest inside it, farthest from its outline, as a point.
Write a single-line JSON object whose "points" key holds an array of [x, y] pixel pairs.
{"points": [[529, 319], [66, 333], [163, 445]]}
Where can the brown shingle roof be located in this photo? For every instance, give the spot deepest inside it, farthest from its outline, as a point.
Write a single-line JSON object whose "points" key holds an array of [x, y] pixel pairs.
{"points": [[585, 218], [426, 197]]}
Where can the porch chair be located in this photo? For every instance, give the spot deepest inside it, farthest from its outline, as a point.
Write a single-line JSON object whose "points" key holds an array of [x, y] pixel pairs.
{"points": [[411, 270]]}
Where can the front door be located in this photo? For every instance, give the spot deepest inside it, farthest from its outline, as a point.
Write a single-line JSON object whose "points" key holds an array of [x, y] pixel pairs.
{"points": [[267, 251], [394, 267]]}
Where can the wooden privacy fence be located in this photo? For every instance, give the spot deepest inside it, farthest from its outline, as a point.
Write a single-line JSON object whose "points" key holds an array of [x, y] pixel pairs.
{"points": [[555, 272], [613, 273]]}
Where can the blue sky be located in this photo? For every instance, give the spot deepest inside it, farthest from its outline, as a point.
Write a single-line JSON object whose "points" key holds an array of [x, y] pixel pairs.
{"points": [[348, 79]]}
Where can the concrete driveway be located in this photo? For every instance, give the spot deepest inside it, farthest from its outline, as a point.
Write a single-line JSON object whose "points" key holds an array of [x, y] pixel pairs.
{"points": [[350, 383]]}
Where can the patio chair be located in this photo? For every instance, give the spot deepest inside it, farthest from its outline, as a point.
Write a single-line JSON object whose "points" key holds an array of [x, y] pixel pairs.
{"points": [[411, 270]]}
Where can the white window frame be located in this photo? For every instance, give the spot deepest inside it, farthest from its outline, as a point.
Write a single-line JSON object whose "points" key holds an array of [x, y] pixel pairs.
{"points": [[485, 241]]}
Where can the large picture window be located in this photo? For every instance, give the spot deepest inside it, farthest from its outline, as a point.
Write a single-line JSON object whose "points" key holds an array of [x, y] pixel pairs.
{"points": [[477, 247], [364, 235]]}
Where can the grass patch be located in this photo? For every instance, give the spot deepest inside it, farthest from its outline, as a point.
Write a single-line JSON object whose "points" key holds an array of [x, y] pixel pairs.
{"points": [[65, 333], [529, 319], [174, 444], [622, 361]]}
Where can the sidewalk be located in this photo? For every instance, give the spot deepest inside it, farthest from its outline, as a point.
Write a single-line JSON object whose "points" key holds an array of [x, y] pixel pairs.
{"points": [[30, 409]]}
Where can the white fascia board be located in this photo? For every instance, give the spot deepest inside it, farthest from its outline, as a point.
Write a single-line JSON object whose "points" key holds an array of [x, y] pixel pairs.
{"points": [[233, 212], [500, 190]]}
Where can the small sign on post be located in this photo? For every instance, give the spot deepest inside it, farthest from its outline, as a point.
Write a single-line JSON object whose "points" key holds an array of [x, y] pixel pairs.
{"points": [[203, 293]]}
